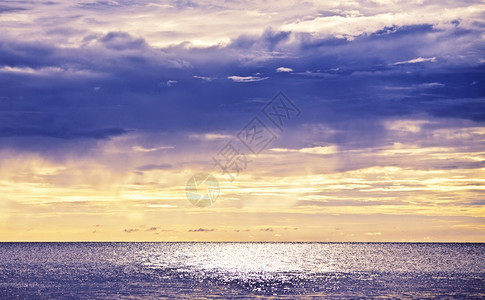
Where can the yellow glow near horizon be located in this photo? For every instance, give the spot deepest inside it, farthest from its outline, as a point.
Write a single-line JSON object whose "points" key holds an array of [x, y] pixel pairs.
{"points": [[85, 199]]}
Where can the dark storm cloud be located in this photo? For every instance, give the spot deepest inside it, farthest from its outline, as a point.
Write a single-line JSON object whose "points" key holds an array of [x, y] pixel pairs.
{"points": [[122, 41], [62, 133], [267, 41], [5, 8], [116, 82]]}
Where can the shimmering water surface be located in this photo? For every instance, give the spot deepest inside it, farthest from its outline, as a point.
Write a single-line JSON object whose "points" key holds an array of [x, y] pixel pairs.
{"points": [[241, 270]]}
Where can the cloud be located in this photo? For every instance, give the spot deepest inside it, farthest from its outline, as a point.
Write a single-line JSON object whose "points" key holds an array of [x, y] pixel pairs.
{"points": [[201, 230], [210, 136], [5, 9], [350, 203], [131, 76], [62, 133], [151, 167], [131, 230], [203, 78], [24, 70], [373, 233], [246, 78], [48, 71], [312, 150], [284, 70], [405, 125], [431, 85], [416, 60], [143, 149], [162, 206], [169, 83], [122, 41]]}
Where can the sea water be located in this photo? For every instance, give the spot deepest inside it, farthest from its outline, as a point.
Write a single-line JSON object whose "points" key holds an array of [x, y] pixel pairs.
{"points": [[241, 270]]}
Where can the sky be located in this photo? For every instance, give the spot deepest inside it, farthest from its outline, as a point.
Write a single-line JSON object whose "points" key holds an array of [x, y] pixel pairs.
{"points": [[108, 108]]}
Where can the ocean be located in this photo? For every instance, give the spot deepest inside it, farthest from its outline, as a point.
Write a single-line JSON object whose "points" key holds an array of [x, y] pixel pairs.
{"points": [[241, 270]]}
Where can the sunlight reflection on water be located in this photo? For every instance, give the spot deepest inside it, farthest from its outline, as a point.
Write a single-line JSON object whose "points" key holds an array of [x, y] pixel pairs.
{"points": [[229, 270]]}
